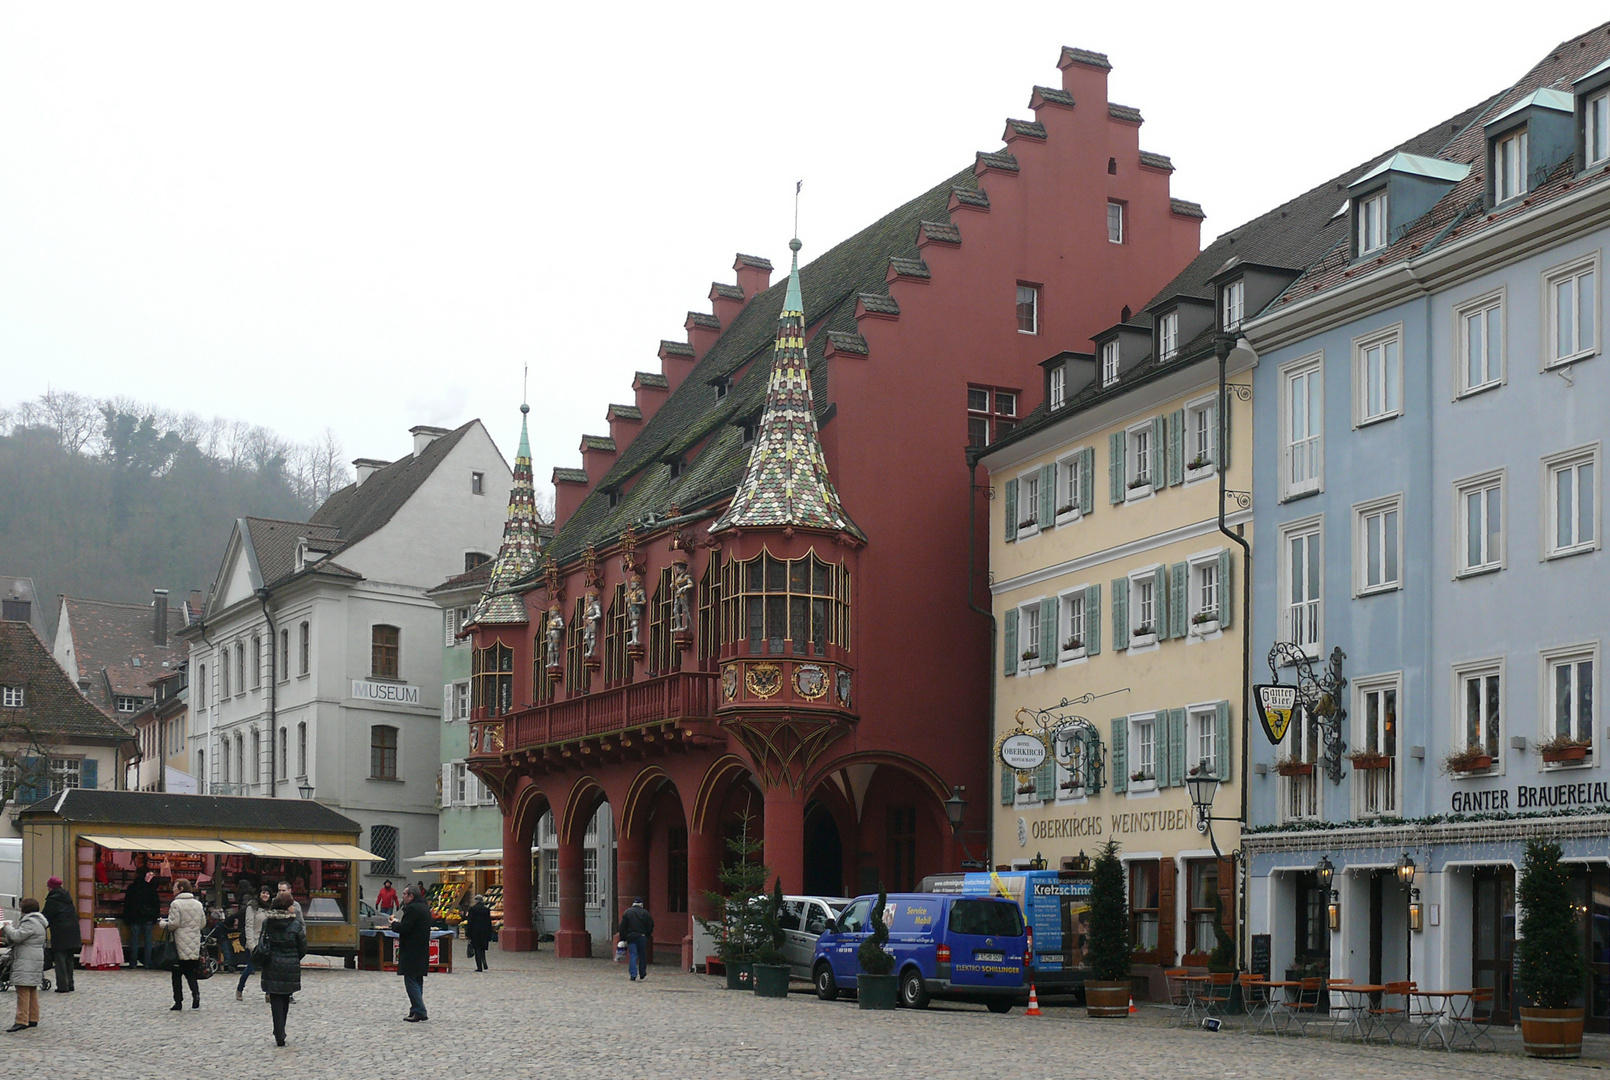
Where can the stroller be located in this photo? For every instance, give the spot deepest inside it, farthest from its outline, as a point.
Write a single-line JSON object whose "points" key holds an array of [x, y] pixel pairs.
{"points": [[5, 970]]}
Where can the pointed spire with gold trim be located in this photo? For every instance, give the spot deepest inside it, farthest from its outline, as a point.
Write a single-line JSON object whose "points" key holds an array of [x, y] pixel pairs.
{"points": [[787, 483], [517, 558]]}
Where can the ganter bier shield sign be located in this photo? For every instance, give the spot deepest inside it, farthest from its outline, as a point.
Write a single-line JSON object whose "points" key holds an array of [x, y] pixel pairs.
{"points": [[1276, 706], [1022, 752]]}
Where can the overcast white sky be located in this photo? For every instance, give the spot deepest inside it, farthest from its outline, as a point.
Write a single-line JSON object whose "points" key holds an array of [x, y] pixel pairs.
{"points": [[366, 217]]}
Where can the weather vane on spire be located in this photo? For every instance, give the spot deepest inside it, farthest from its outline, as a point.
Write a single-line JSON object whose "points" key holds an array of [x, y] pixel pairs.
{"points": [[525, 388], [798, 184]]}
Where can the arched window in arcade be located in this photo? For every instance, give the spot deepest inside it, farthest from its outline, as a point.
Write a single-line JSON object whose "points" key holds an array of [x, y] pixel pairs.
{"points": [[492, 675], [799, 605], [617, 668], [575, 648], [709, 628]]}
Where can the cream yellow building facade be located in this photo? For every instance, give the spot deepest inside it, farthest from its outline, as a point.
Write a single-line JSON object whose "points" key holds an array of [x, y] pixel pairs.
{"points": [[1117, 601]]}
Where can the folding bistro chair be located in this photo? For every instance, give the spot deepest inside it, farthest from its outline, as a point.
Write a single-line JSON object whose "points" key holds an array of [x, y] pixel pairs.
{"points": [[1220, 988], [1255, 999], [1472, 1025], [1306, 1008], [1388, 1017], [1181, 996]]}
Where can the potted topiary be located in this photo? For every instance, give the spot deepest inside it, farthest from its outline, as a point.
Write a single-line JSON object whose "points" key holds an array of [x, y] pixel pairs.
{"points": [[771, 964], [1549, 966], [875, 986], [736, 928], [1107, 943]]}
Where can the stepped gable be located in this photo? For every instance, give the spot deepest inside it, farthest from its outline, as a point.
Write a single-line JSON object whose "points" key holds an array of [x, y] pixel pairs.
{"points": [[517, 557], [786, 482], [692, 418], [358, 510]]}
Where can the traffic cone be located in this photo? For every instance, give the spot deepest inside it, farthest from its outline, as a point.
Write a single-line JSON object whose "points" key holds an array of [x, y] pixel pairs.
{"points": [[1132, 1004], [1034, 1003]]}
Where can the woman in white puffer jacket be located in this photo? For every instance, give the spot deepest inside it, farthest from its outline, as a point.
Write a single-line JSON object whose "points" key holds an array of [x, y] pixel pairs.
{"points": [[27, 941], [184, 924]]}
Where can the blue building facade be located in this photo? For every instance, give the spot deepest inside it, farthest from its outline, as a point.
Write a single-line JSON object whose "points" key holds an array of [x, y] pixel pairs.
{"points": [[1432, 404]]}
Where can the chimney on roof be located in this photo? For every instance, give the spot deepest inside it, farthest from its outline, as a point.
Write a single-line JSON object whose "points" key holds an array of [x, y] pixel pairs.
{"points": [[194, 605], [424, 436], [366, 467], [159, 604]]}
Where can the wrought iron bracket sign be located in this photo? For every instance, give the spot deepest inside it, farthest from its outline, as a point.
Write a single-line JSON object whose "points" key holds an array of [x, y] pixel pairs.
{"points": [[1072, 741], [1319, 693]]}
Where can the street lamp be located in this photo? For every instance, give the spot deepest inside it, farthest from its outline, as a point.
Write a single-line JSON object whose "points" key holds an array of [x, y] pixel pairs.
{"points": [[305, 789], [955, 808], [1203, 786]]}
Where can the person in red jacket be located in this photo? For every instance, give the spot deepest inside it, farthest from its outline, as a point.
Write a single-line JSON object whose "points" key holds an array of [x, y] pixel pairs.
{"points": [[386, 899]]}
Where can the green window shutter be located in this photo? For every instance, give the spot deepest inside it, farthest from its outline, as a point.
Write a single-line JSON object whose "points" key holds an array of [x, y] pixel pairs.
{"points": [[1176, 447], [1008, 785], [1159, 453], [1120, 613], [1120, 753], [1045, 780], [1093, 620], [1223, 759], [1048, 632], [1162, 750], [25, 791], [1087, 479], [1009, 633], [1178, 609], [1224, 431], [1226, 597], [1115, 466], [89, 772], [1011, 509], [1178, 748], [1048, 496], [1160, 599]]}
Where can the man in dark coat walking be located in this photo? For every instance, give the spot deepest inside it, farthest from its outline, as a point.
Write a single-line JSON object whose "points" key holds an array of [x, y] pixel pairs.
{"points": [[66, 939], [637, 930], [478, 927], [413, 950]]}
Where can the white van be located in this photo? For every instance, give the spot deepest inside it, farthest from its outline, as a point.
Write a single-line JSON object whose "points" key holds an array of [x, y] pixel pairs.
{"points": [[10, 878]]}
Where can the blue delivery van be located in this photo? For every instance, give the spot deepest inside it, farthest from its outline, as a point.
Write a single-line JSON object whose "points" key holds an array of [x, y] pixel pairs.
{"points": [[959, 948], [1054, 904]]}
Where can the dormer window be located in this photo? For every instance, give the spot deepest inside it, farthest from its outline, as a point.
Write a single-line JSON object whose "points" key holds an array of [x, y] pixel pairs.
{"points": [[1168, 336], [677, 467], [1109, 364], [749, 434], [1596, 129], [1370, 215], [1509, 167], [1057, 392], [1232, 304], [723, 386], [614, 498]]}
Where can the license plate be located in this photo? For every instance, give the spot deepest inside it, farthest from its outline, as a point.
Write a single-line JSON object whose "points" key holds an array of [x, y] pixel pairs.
{"points": [[1051, 958], [989, 957]]}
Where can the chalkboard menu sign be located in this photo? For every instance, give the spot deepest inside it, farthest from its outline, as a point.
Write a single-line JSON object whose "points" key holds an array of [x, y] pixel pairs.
{"points": [[1260, 955]]}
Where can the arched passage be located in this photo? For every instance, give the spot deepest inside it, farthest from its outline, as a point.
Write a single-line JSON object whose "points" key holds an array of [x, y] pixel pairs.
{"points": [[524, 807], [584, 850], [891, 816], [824, 852]]}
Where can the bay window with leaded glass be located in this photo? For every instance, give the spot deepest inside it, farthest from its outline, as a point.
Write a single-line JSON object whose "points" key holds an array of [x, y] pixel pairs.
{"points": [[492, 680], [794, 606]]}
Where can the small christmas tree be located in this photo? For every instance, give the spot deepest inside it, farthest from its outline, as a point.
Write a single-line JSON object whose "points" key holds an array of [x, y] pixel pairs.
{"points": [[737, 930], [874, 958], [1108, 951], [769, 943], [1552, 971]]}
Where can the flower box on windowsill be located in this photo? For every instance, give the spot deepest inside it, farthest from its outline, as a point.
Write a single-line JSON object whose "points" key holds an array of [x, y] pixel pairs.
{"points": [[1030, 655], [1032, 523], [1563, 751], [1199, 463], [1203, 627], [1468, 761], [1138, 489], [1369, 759], [1141, 778], [1294, 768]]}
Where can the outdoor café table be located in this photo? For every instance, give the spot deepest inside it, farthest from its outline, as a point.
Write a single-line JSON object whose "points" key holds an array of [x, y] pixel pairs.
{"points": [[1359, 1021], [1194, 985], [1454, 1004], [1276, 1011]]}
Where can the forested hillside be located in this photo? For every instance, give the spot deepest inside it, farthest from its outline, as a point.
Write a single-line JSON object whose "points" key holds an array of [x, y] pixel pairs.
{"points": [[109, 499]]}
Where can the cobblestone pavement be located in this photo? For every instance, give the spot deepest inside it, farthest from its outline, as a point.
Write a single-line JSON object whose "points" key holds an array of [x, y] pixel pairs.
{"points": [[533, 1015]]}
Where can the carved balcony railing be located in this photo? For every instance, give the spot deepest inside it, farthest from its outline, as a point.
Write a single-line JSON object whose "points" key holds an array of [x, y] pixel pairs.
{"points": [[678, 697]]}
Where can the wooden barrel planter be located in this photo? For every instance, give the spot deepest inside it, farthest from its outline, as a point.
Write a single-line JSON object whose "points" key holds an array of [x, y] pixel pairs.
{"points": [[1109, 999], [1552, 1033]]}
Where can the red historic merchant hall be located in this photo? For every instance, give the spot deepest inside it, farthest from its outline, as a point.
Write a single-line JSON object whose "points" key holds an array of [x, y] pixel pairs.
{"points": [[756, 600]]}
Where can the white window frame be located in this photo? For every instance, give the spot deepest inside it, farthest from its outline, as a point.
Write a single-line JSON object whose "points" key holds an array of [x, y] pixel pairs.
{"points": [[1311, 370], [1123, 226], [1133, 744], [1141, 580], [64, 772], [1067, 493], [1168, 335], [1363, 689], [1302, 798], [1585, 652], [1389, 343], [461, 700], [1194, 410], [1028, 622], [1362, 513], [1480, 671], [1066, 602], [1311, 529], [1109, 363], [1058, 381], [1034, 306], [1370, 213], [1195, 565], [1233, 304], [1493, 302], [1596, 129], [1134, 436], [1509, 178], [1571, 459], [1202, 726], [1572, 271], [1495, 479], [1028, 482]]}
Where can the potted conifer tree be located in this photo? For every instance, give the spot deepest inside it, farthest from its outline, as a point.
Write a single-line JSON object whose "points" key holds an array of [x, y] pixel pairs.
{"points": [[1552, 972], [875, 986], [771, 963], [736, 928], [1107, 951]]}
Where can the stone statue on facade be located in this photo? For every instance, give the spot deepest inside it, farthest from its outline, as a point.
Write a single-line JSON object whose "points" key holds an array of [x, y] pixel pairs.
{"points": [[681, 598], [556, 635], [635, 600], [593, 613]]}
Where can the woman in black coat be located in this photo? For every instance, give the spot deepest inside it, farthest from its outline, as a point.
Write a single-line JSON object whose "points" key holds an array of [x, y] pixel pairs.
{"points": [[66, 939], [280, 947], [478, 926]]}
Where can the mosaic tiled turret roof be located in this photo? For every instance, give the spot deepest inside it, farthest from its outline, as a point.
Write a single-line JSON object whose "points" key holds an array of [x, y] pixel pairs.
{"points": [[501, 604], [787, 483]]}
